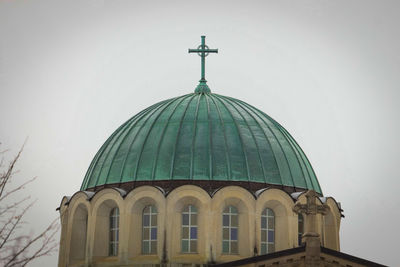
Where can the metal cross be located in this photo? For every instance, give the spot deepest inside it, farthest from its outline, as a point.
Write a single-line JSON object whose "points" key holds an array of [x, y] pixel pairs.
{"points": [[203, 50]]}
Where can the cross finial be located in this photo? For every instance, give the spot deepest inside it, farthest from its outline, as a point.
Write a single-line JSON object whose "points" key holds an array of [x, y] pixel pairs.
{"points": [[203, 50]]}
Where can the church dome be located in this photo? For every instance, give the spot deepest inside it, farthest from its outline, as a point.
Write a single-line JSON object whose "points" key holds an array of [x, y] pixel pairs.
{"points": [[205, 139]]}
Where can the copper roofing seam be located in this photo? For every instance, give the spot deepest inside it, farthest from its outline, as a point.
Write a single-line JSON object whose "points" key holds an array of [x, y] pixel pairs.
{"points": [[92, 167], [309, 167], [277, 141], [227, 157], [249, 107], [298, 157], [302, 152], [89, 172], [233, 103], [112, 141], [305, 159], [147, 113], [182, 98], [177, 137], [129, 127], [210, 142], [148, 133], [196, 114], [240, 136], [246, 109], [279, 127]]}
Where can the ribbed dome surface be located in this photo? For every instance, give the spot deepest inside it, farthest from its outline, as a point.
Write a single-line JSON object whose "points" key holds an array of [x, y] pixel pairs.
{"points": [[201, 137]]}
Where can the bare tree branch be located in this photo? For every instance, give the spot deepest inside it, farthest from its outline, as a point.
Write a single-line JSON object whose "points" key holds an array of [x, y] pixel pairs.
{"points": [[17, 248], [22, 186], [4, 178]]}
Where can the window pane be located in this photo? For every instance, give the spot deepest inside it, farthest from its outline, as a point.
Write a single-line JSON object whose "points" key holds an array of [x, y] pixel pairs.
{"points": [[225, 220], [146, 233], [153, 209], [153, 247], [193, 233], [185, 219], [271, 237], [300, 226], [153, 233], [186, 209], [225, 246], [112, 236], [270, 212], [193, 208], [226, 210], [233, 209], [263, 236], [193, 219], [264, 213], [193, 246], [263, 248], [185, 232], [225, 233], [146, 220], [234, 234], [146, 209], [185, 246], [145, 247], [271, 248], [263, 222], [271, 223], [154, 220], [234, 220], [234, 247]]}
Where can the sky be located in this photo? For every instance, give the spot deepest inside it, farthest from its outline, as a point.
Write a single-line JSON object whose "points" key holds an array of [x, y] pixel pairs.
{"points": [[71, 72]]}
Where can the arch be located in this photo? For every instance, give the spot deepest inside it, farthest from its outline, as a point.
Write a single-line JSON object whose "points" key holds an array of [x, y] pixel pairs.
{"points": [[331, 225], [244, 201], [285, 219], [78, 239], [102, 210], [177, 200], [64, 216], [78, 210], [136, 202]]}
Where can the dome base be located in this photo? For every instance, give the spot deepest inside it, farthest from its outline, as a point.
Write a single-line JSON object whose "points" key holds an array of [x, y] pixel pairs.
{"points": [[211, 187]]}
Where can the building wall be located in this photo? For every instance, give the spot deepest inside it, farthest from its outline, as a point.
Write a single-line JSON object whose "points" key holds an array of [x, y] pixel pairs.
{"points": [[85, 225]]}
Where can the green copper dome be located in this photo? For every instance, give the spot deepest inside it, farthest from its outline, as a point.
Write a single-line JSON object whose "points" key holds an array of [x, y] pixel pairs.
{"points": [[201, 138]]}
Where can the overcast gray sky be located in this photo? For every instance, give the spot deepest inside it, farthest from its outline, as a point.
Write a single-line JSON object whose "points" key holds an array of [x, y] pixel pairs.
{"points": [[329, 71]]}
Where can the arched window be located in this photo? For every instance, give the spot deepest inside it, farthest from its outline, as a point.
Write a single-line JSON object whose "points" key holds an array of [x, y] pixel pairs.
{"points": [[267, 231], [189, 229], [114, 232], [300, 227], [230, 227], [149, 233]]}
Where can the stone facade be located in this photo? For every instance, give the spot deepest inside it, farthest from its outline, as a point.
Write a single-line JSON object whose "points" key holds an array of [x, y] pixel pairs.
{"points": [[85, 234]]}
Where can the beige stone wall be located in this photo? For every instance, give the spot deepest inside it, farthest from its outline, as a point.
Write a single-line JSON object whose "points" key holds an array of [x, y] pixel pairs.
{"points": [[89, 247]]}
